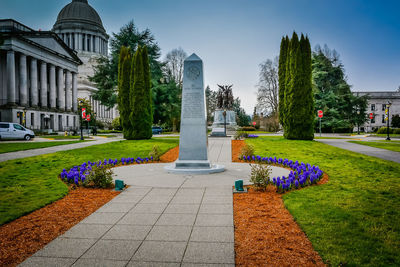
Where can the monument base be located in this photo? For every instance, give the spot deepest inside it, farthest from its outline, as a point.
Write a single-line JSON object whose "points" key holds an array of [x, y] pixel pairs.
{"points": [[194, 167]]}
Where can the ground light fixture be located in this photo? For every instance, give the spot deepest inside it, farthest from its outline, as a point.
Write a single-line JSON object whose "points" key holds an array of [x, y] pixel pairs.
{"points": [[119, 185], [239, 186]]}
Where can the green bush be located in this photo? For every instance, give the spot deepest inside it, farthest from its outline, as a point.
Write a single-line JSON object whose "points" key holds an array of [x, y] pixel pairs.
{"points": [[260, 176], [247, 150], [155, 153], [383, 130], [116, 124], [240, 135], [248, 128], [396, 131], [99, 177]]}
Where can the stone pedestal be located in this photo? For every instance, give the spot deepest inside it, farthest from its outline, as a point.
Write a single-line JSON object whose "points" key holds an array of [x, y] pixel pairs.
{"points": [[219, 122], [193, 156]]}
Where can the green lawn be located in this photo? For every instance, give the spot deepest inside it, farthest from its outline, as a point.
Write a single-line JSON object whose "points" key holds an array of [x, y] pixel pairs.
{"points": [[353, 219], [107, 135], [30, 183], [330, 137], [12, 147], [389, 145]]}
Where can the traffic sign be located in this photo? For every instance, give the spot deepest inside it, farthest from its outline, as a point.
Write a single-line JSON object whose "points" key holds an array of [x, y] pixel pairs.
{"points": [[320, 113], [371, 115], [254, 123]]}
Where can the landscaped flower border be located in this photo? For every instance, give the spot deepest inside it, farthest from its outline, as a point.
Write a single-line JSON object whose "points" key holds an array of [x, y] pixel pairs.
{"points": [[252, 136], [301, 175], [77, 174]]}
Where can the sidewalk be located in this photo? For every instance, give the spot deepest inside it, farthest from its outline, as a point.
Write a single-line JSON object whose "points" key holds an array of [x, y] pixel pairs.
{"points": [[366, 150], [53, 149], [162, 219]]}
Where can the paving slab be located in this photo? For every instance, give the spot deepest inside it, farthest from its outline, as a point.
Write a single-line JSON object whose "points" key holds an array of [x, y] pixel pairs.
{"points": [[160, 251], [91, 231], [99, 263], [176, 219], [212, 234], [214, 220], [139, 218], [66, 248], [182, 208], [112, 250], [145, 207], [128, 232], [169, 233], [206, 252], [47, 261], [216, 209], [153, 264], [103, 218]]}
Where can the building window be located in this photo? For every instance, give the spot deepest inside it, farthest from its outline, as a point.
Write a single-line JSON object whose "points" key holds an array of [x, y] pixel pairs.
{"points": [[73, 41], [67, 121], [373, 119], [383, 107], [32, 119], [383, 118], [372, 107]]}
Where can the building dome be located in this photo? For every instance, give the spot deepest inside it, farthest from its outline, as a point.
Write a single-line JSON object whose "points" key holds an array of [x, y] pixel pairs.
{"points": [[80, 15]]}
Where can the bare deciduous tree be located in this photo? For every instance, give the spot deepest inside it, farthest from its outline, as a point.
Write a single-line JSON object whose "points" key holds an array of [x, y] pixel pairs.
{"points": [[268, 87], [174, 65]]}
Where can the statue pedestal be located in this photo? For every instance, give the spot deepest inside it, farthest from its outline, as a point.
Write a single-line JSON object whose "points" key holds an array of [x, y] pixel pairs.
{"points": [[219, 122]]}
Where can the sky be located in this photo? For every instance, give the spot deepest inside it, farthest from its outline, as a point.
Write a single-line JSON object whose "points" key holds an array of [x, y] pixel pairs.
{"points": [[233, 37]]}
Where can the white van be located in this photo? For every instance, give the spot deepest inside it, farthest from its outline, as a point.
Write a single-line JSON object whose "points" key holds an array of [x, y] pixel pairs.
{"points": [[10, 130]]}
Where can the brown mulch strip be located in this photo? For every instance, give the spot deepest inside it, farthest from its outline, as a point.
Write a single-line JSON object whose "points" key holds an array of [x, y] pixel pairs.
{"points": [[24, 236], [265, 232]]}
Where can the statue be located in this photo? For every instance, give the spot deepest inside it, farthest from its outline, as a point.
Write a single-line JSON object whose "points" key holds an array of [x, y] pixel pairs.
{"points": [[225, 97]]}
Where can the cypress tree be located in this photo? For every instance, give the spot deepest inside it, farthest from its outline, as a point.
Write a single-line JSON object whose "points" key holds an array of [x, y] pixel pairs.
{"points": [[124, 104], [140, 97], [281, 78], [298, 91], [147, 91]]}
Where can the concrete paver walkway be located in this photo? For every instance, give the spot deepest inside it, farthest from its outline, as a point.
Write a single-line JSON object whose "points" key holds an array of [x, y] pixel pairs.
{"points": [[53, 149], [366, 150], [162, 219]]}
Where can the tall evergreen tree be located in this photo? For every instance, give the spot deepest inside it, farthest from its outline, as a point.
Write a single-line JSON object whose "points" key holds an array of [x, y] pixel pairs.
{"points": [[281, 77], [299, 101], [141, 114], [147, 91], [124, 103]]}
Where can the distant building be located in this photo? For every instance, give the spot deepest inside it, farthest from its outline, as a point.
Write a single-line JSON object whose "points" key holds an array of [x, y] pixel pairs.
{"points": [[80, 27], [38, 78], [377, 104]]}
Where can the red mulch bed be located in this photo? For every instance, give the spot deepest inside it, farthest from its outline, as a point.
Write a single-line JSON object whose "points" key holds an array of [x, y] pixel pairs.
{"points": [[265, 232], [24, 236]]}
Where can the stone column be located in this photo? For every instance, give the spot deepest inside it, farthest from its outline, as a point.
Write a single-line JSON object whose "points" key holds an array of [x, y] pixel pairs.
{"points": [[76, 36], [60, 89], [79, 41], [23, 81], [11, 77], [68, 94], [52, 86], [74, 92], [34, 83], [43, 84]]}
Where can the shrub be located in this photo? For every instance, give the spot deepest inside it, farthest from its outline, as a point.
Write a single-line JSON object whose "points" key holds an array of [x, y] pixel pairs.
{"points": [[247, 151], [240, 134], [155, 153], [116, 124], [248, 128], [383, 130], [99, 177], [260, 176], [396, 131]]}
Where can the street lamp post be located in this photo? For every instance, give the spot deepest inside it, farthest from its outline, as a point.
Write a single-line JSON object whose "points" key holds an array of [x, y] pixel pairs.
{"points": [[387, 118], [224, 113], [80, 116], [358, 122]]}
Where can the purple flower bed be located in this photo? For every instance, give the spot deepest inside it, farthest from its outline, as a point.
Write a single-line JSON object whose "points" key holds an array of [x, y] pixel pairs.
{"points": [[252, 136], [301, 174], [78, 174]]}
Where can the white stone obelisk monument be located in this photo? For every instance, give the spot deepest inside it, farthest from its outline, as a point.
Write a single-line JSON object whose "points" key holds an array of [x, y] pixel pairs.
{"points": [[193, 156]]}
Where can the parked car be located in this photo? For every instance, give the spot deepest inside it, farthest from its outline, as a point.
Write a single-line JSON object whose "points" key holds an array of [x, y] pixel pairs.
{"points": [[156, 130], [10, 130]]}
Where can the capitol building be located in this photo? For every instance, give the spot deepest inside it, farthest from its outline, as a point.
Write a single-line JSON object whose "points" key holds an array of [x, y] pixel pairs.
{"points": [[43, 73]]}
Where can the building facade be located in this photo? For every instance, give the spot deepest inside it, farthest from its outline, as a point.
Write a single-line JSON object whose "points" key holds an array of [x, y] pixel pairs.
{"points": [[377, 104], [38, 78], [80, 27]]}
